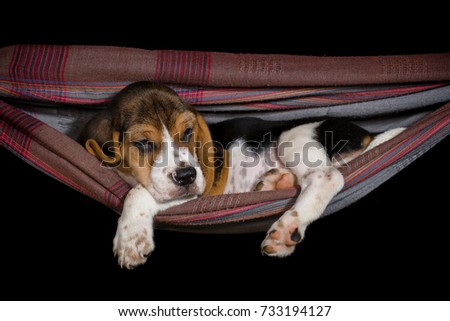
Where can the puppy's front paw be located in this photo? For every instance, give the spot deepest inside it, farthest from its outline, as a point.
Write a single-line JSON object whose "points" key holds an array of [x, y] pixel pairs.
{"points": [[133, 243], [283, 235]]}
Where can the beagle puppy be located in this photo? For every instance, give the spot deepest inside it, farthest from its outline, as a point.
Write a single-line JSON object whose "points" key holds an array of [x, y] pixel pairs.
{"points": [[164, 149]]}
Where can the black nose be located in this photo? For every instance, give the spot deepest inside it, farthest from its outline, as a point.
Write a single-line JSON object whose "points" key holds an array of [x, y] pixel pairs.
{"points": [[184, 176]]}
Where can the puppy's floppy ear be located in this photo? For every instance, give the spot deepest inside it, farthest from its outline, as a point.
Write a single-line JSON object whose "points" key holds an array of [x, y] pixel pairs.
{"points": [[205, 152], [93, 147]]}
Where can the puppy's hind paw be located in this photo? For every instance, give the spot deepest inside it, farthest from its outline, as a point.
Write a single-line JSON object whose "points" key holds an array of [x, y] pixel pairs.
{"points": [[275, 179], [282, 236]]}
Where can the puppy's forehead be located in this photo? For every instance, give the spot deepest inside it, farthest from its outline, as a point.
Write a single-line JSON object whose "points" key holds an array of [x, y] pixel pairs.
{"points": [[156, 108], [160, 106], [173, 119]]}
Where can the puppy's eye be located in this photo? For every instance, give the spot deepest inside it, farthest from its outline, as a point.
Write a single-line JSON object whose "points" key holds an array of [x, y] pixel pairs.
{"points": [[187, 135], [144, 145]]}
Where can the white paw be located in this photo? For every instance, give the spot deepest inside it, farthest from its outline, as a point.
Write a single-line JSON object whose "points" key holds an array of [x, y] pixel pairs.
{"points": [[283, 235], [133, 242]]}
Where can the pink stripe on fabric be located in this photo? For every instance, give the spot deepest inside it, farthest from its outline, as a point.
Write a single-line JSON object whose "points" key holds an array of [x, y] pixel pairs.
{"points": [[17, 132], [38, 65], [182, 66], [394, 154], [205, 216]]}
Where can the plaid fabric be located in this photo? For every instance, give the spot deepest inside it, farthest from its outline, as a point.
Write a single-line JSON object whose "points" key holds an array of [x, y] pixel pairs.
{"points": [[236, 99], [89, 75], [59, 156], [183, 67], [32, 68], [31, 82], [106, 64], [86, 75]]}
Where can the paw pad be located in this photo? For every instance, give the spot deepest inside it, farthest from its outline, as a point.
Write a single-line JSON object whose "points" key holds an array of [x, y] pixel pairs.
{"points": [[282, 236], [275, 179]]}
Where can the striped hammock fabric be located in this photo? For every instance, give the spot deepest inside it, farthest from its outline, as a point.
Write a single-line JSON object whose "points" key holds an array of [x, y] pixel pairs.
{"points": [[209, 99], [226, 84]]}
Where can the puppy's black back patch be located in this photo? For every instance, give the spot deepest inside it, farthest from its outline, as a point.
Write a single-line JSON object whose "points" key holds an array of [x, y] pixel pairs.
{"points": [[342, 137], [251, 129], [339, 137]]}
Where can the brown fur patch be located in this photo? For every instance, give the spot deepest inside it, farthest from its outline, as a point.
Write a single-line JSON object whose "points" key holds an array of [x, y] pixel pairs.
{"points": [[178, 126], [141, 240], [221, 178], [259, 186], [273, 171], [133, 255], [366, 141], [140, 162], [205, 153]]}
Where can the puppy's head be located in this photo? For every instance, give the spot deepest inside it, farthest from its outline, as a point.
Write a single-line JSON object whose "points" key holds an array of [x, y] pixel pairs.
{"points": [[165, 145]]}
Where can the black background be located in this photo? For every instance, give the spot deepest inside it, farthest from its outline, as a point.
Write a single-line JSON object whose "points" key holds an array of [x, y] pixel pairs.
{"points": [[391, 245]]}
